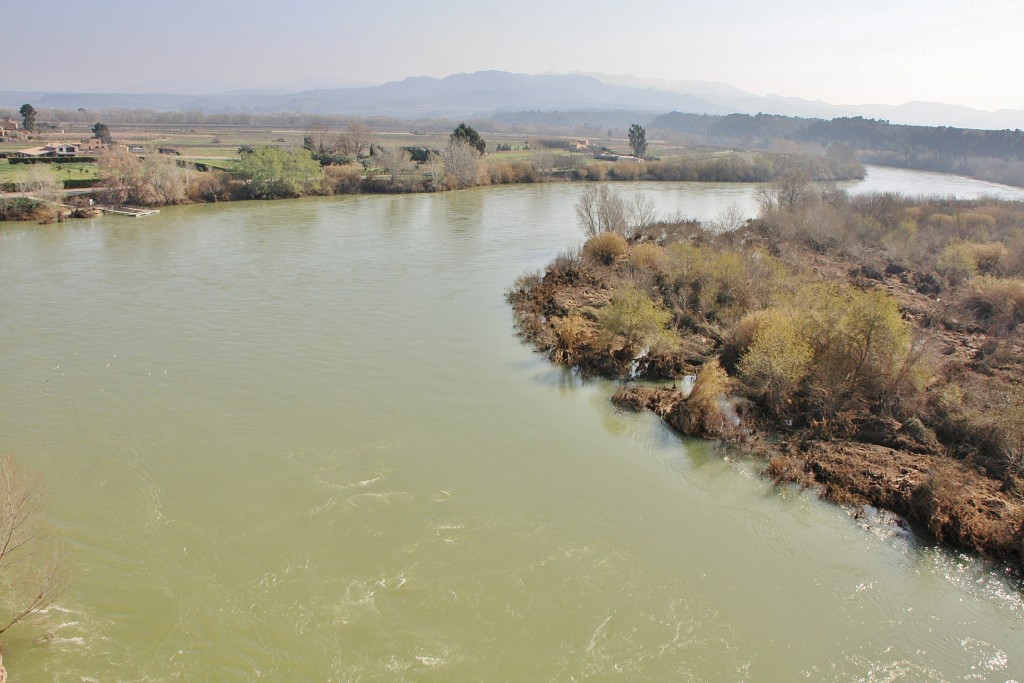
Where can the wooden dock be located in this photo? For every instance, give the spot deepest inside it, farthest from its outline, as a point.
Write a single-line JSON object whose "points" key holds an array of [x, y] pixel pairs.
{"points": [[122, 210]]}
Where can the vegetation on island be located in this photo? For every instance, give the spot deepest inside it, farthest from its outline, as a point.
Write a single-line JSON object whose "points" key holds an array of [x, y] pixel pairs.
{"points": [[868, 346]]}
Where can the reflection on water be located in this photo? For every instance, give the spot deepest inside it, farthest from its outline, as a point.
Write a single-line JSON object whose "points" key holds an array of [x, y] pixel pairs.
{"points": [[300, 441]]}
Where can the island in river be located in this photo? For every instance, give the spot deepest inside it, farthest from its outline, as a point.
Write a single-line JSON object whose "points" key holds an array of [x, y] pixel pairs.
{"points": [[867, 346]]}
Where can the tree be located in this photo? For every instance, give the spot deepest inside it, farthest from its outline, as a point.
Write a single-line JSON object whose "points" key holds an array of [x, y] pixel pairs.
{"points": [[271, 172], [127, 179], [33, 571], [352, 142], [469, 135], [461, 162], [102, 133], [778, 360], [600, 209], [638, 140], [28, 115], [396, 162], [792, 189], [41, 182], [635, 320]]}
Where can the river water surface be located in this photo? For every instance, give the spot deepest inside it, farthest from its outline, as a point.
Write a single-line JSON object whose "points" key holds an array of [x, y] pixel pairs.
{"points": [[299, 440]]}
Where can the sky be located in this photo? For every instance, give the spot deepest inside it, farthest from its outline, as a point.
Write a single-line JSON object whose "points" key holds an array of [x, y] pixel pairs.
{"points": [[842, 52]]}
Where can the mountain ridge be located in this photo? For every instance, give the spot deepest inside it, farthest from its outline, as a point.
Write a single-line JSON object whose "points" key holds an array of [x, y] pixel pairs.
{"points": [[482, 92]]}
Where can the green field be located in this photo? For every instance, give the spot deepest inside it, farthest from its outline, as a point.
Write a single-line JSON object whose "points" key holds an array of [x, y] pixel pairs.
{"points": [[14, 173]]}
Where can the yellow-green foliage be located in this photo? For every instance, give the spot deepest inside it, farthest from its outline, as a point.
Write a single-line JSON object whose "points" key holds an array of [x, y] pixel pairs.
{"points": [[989, 258], [942, 221], [646, 257], [843, 345], [605, 247], [975, 219], [861, 343], [633, 319], [902, 241], [778, 359], [956, 263], [722, 285]]}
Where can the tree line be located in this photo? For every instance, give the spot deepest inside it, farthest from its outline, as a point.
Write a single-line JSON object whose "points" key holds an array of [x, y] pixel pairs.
{"points": [[996, 155]]}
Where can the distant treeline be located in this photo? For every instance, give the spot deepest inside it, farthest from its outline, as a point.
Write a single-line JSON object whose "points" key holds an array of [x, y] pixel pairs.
{"points": [[996, 155]]}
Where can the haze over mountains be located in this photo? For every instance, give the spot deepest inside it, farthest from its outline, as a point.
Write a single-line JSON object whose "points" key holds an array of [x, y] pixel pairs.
{"points": [[488, 92]]}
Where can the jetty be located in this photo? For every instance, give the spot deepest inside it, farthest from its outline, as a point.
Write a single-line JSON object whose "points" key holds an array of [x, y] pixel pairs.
{"points": [[123, 210]]}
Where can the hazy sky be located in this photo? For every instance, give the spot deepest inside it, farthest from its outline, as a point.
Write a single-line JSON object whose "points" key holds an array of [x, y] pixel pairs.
{"points": [[868, 51]]}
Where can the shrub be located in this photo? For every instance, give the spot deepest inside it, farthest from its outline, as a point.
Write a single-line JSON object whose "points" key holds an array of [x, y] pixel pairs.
{"points": [[211, 186], [343, 179], [956, 263], [646, 257], [626, 170], [605, 247], [25, 209], [998, 302], [705, 411], [861, 345], [569, 332], [592, 171], [777, 360], [633, 319], [989, 258]]}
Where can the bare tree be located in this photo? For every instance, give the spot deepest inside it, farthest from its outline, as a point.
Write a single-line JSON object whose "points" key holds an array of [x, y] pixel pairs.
{"points": [[435, 167], [600, 209], [792, 189], [396, 162], [355, 140], [33, 571], [317, 139], [41, 182], [643, 212], [462, 162]]}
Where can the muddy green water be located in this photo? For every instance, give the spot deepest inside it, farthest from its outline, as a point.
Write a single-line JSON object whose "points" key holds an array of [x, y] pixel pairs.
{"points": [[298, 441]]}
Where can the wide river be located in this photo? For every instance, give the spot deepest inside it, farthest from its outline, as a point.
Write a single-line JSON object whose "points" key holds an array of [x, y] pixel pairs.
{"points": [[299, 441]]}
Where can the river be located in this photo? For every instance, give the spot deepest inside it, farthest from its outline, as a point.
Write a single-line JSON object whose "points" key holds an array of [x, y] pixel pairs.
{"points": [[299, 441]]}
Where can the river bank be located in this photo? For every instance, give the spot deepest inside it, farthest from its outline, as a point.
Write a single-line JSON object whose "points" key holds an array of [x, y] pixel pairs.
{"points": [[860, 346], [275, 173]]}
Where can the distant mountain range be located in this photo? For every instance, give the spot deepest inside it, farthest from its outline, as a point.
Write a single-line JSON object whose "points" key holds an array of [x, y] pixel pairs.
{"points": [[488, 92]]}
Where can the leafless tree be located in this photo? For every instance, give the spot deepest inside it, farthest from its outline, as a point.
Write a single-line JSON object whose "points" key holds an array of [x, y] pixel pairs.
{"points": [[40, 181], [792, 189], [544, 160], [601, 209], [33, 570], [355, 140], [396, 162], [435, 167], [643, 212], [317, 138], [461, 162]]}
